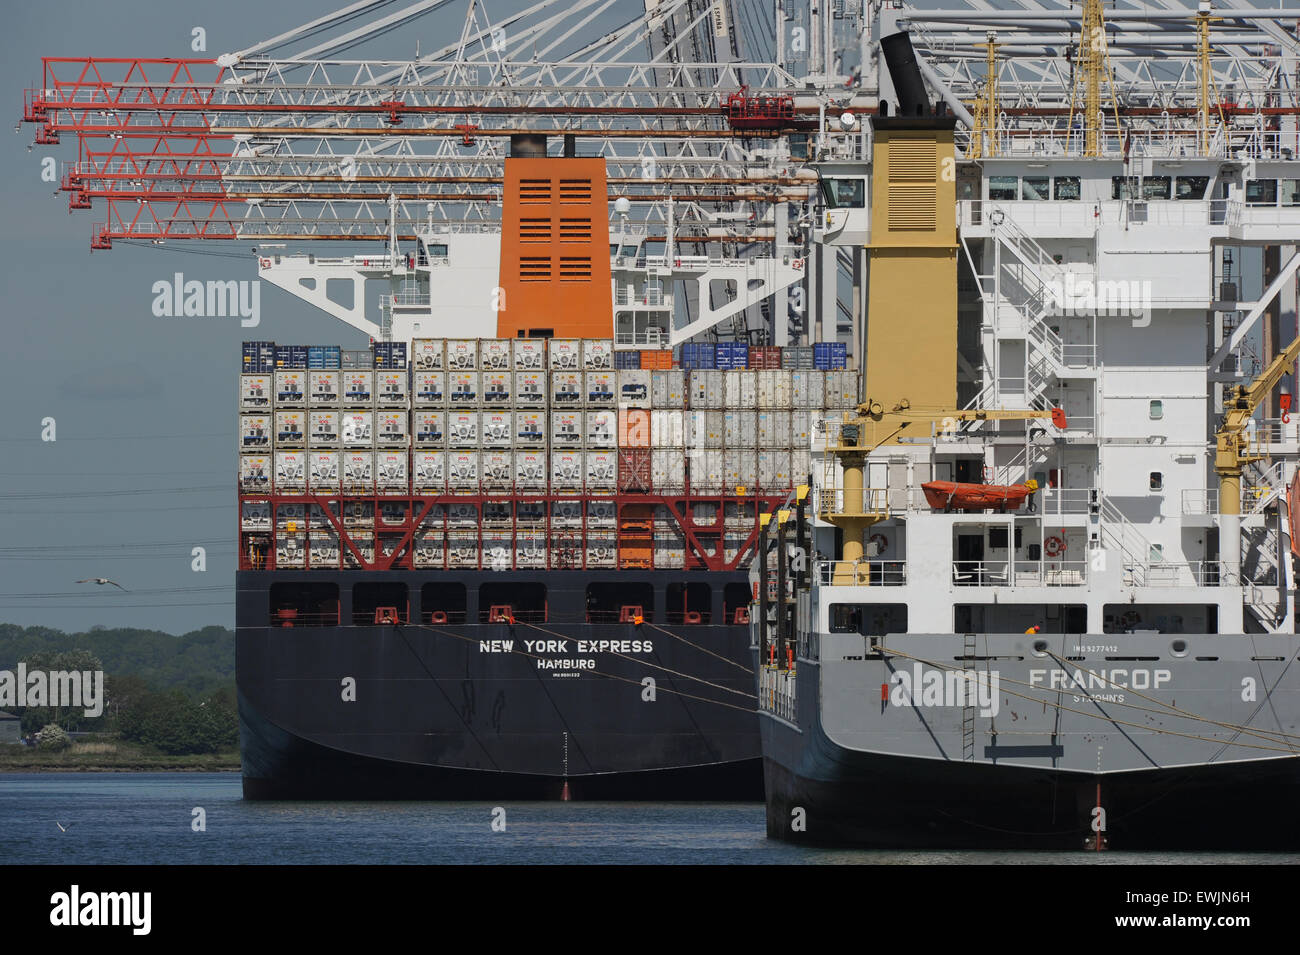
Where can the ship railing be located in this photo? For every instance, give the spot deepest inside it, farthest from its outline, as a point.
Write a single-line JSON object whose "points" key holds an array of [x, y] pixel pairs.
{"points": [[1196, 573], [407, 298], [653, 336], [1063, 500], [876, 573], [289, 617], [777, 691], [981, 573], [1201, 501], [645, 295], [1019, 573], [1225, 212]]}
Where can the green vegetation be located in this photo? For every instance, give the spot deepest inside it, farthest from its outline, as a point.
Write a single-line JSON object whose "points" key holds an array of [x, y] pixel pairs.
{"points": [[169, 702]]}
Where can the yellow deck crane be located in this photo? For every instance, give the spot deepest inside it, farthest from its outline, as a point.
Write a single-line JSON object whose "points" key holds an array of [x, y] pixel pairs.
{"points": [[1233, 451]]}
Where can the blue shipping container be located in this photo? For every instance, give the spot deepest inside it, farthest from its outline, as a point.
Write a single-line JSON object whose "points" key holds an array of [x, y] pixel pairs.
{"points": [[627, 359], [390, 355], [258, 357], [324, 356], [830, 356], [732, 355], [698, 355]]}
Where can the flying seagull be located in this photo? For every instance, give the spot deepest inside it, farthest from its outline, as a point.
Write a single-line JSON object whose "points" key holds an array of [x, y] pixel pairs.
{"points": [[101, 581], [62, 827]]}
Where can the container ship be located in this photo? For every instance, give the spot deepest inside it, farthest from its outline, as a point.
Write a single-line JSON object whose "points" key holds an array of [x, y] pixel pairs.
{"points": [[513, 564], [1048, 605]]}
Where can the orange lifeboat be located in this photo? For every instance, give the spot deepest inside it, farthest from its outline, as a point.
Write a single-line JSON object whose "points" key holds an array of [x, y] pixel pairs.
{"points": [[954, 496]]}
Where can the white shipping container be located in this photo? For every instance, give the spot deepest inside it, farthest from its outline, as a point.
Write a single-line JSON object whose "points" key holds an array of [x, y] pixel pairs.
{"points": [[255, 432], [667, 429], [358, 513], [462, 430], [600, 429], [290, 472], [392, 389], [802, 425], [323, 548], [255, 392], [602, 471], [531, 513], [324, 388], [429, 389], [633, 388], [530, 548], [565, 354], [358, 388], [706, 470], [496, 429], [774, 429], [601, 514], [597, 353], [566, 514], [323, 472], [774, 470], [316, 517], [462, 354], [291, 387], [255, 473], [428, 354], [707, 389], [462, 515], [529, 353], [324, 429], [669, 551], [462, 471], [566, 389], [841, 389], [291, 429], [667, 469], [667, 388], [774, 388], [359, 473], [494, 353], [741, 388], [496, 470], [255, 515], [291, 550], [291, 517], [740, 469], [800, 466], [462, 549], [364, 543], [732, 545], [498, 387], [739, 429], [390, 472], [530, 470], [601, 551], [530, 429], [704, 429], [391, 513], [429, 429], [429, 475], [463, 389], [430, 549], [357, 429], [567, 470], [705, 513], [566, 429], [808, 388], [530, 389], [498, 550]]}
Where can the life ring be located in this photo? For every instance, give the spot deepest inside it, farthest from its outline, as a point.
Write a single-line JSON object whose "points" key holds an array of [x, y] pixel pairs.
{"points": [[881, 542], [1054, 546], [266, 263], [797, 263]]}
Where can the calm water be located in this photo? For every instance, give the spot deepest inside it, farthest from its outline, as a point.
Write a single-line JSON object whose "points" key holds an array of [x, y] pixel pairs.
{"points": [[145, 818]]}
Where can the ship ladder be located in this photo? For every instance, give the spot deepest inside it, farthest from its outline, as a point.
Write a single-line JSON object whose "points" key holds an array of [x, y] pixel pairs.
{"points": [[968, 711]]}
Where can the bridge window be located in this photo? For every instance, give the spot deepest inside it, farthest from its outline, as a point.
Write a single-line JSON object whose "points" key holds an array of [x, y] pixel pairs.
{"points": [[376, 603], [1156, 187], [1261, 192], [1034, 187], [304, 605], [1065, 188], [614, 602], [1123, 187], [1157, 481], [1002, 187], [869, 619], [442, 603], [1191, 187], [689, 604], [1165, 618], [525, 602], [845, 193], [1289, 192]]}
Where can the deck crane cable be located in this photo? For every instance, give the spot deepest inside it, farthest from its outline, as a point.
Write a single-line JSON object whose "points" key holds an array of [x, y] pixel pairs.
{"points": [[1290, 749], [607, 676]]}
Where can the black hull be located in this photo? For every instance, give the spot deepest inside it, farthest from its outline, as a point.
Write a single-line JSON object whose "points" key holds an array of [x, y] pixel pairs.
{"points": [[435, 716], [882, 801]]}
